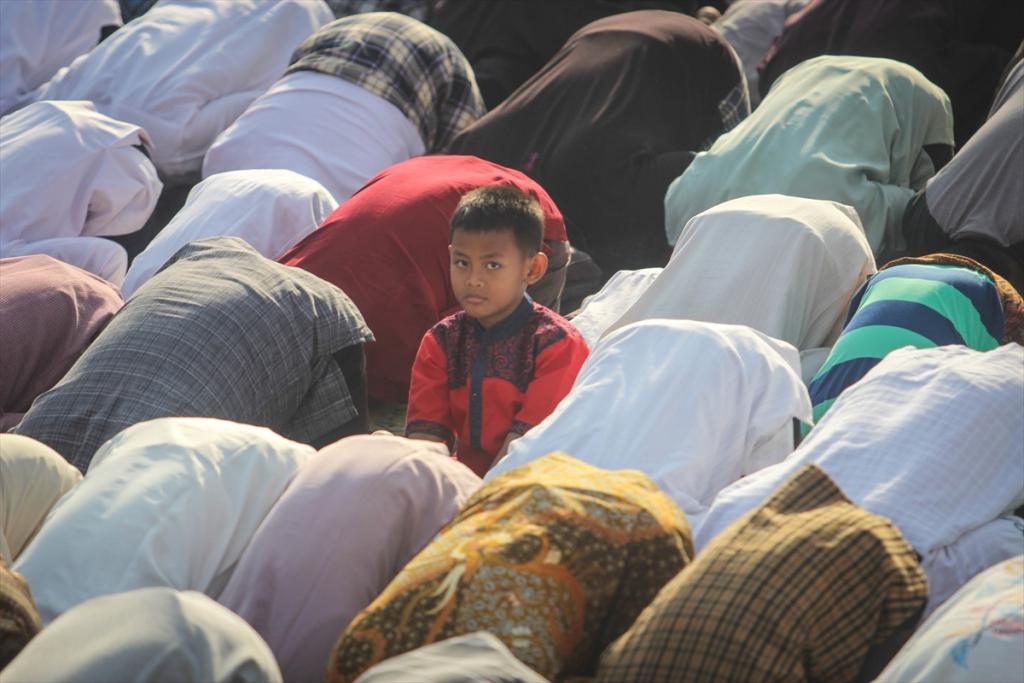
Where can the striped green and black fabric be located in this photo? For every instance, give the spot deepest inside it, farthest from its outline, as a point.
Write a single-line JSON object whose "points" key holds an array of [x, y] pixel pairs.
{"points": [[914, 304]]}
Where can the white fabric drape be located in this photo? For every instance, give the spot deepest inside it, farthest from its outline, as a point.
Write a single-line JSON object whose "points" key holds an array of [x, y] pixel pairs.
{"points": [[186, 69], [170, 502], [930, 439], [694, 406], [271, 210]]}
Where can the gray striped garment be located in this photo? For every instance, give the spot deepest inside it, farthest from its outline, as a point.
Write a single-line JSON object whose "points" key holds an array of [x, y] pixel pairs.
{"points": [[220, 332]]}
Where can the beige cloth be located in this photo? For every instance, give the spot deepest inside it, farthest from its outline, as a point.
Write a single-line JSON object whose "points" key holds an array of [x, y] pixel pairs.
{"points": [[784, 266], [33, 477]]}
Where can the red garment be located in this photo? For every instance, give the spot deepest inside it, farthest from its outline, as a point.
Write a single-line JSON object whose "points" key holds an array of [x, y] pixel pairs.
{"points": [[387, 249], [474, 386]]}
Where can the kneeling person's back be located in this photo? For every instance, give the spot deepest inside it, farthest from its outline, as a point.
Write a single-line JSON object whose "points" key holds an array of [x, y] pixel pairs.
{"points": [[490, 372], [220, 332]]}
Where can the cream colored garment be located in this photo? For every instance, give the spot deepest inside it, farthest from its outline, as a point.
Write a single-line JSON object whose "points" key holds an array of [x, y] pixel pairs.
{"points": [[600, 310], [170, 502], [694, 406], [271, 210], [149, 635], [71, 172], [33, 477], [350, 520], [324, 127], [38, 37], [186, 69], [929, 438], [784, 266]]}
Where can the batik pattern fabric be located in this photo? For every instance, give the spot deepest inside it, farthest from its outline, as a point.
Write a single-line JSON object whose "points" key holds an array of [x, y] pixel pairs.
{"points": [[19, 618], [914, 304], [556, 559], [800, 590], [404, 61]]}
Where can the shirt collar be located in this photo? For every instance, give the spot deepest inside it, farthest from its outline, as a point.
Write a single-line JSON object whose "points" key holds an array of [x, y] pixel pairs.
{"points": [[510, 325]]}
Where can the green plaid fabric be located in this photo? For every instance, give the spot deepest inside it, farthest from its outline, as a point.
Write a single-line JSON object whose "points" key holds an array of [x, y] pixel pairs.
{"points": [[797, 590], [404, 61]]}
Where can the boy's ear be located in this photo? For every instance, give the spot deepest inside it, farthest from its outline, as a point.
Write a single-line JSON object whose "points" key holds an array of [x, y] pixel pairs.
{"points": [[538, 266]]}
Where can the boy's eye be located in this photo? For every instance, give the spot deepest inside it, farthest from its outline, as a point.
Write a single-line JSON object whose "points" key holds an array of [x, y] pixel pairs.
{"points": [[493, 265], [459, 263]]}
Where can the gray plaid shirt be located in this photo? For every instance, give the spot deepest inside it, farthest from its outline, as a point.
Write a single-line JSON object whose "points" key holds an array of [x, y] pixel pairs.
{"points": [[220, 332], [404, 61]]}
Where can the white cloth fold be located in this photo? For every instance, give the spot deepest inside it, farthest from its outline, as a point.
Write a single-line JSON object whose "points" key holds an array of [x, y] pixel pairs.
{"points": [[324, 127], [270, 209], [694, 406], [930, 439], [186, 69], [70, 172], [38, 37], [784, 266], [150, 635], [170, 502]]}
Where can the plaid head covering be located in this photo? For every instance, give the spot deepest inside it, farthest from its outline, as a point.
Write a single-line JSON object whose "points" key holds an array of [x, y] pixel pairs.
{"points": [[799, 590], [404, 61], [555, 558], [19, 618]]}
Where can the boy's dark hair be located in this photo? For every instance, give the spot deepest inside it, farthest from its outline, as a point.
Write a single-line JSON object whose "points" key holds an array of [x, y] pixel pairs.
{"points": [[500, 207]]}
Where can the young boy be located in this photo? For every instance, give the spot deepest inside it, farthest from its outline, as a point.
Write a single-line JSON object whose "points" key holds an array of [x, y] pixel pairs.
{"points": [[488, 373]]}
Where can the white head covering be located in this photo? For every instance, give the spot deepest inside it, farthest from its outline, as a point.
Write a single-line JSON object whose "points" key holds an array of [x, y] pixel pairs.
{"points": [[271, 210], [324, 127], [150, 635], [169, 502], [70, 171], [785, 266], [694, 406], [847, 129], [101, 257], [930, 439], [37, 37], [598, 311], [187, 68], [350, 520], [33, 477], [974, 638]]}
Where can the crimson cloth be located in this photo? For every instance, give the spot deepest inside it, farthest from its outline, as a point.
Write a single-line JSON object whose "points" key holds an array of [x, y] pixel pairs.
{"points": [[960, 45], [474, 386], [387, 249]]}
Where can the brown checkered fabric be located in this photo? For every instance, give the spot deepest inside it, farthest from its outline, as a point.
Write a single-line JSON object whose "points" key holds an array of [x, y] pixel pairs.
{"points": [[19, 619], [798, 590]]}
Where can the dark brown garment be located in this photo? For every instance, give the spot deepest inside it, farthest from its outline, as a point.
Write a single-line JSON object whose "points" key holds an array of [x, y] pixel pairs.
{"points": [[507, 41], [610, 121], [960, 45], [19, 618]]}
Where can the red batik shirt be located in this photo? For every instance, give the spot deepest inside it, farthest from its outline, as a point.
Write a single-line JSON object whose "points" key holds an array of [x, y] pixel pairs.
{"points": [[471, 386]]}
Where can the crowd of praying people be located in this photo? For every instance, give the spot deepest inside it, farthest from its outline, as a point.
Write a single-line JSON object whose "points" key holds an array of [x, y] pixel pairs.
{"points": [[444, 341]]}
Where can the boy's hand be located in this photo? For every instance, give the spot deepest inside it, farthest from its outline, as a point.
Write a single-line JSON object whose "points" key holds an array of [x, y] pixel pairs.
{"points": [[512, 436]]}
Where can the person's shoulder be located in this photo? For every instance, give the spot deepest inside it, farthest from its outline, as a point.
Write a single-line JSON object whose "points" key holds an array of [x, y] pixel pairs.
{"points": [[550, 328], [449, 330]]}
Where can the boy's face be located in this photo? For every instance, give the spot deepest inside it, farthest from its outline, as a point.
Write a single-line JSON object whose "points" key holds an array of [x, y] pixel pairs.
{"points": [[490, 273]]}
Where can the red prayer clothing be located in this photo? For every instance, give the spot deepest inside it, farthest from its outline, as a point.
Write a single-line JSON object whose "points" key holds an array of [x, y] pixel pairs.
{"points": [[474, 386], [387, 249]]}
